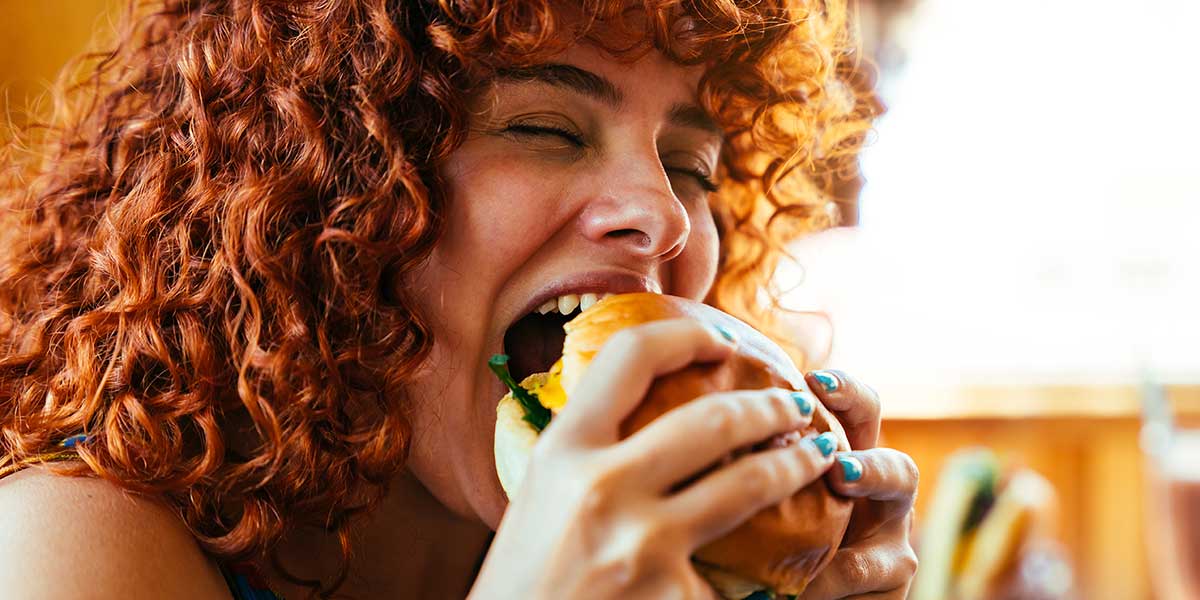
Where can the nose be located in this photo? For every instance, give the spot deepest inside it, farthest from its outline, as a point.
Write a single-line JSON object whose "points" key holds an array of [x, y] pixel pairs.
{"points": [[638, 214]]}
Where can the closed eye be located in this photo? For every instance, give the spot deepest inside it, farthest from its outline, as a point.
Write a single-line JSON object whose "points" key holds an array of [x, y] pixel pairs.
{"points": [[524, 129], [545, 130], [701, 178]]}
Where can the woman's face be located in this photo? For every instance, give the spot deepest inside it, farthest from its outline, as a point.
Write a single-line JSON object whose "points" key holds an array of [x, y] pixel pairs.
{"points": [[583, 175]]}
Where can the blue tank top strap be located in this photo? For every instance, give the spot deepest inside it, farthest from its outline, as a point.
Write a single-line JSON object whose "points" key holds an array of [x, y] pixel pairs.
{"points": [[244, 584], [65, 451]]}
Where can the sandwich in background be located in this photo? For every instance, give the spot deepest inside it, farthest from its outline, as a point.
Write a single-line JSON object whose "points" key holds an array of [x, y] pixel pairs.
{"points": [[987, 535]]}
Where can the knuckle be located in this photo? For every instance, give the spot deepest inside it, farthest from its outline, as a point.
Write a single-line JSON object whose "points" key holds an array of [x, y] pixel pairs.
{"points": [[641, 546], [763, 476], [628, 341], [626, 558], [855, 568], [909, 474], [724, 417], [594, 507], [870, 394], [606, 475], [866, 393], [659, 533], [781, 406], [597, 488], [596, 503], [619, 569], [910, 471], [908, 562]]}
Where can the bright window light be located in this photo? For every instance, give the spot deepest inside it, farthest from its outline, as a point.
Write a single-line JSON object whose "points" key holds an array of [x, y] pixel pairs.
{"points": [[1032, 204]]}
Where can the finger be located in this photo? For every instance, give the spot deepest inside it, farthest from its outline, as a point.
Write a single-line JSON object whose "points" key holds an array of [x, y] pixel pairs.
{"points": [[855, 405], [885, 490], [880, 474], [622, 371], [884, 564], [723, 499], [696, 435]]}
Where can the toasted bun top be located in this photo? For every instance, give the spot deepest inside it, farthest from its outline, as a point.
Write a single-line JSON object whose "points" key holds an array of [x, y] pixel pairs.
{"points": [[587, 332], [783, 547]]}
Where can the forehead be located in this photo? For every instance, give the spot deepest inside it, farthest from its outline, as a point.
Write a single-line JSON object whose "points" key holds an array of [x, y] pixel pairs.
{"points": [[649, 73]]}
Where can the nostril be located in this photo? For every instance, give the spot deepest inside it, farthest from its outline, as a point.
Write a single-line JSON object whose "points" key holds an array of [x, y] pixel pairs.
{"points": [[638, 239]]}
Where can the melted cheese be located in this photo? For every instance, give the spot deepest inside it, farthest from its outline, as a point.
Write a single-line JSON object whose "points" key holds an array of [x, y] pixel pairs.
{"points": [[548, 388]]}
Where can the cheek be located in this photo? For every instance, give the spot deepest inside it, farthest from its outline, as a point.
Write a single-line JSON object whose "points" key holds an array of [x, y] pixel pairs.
{"points": [[697, 267], [494, 215]]}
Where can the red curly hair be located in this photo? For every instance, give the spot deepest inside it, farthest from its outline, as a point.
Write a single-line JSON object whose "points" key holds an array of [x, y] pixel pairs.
{"points": [[212, 234]]}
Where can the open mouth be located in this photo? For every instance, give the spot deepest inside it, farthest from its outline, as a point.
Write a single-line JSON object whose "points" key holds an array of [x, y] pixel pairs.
{"points": [[535, 342]]}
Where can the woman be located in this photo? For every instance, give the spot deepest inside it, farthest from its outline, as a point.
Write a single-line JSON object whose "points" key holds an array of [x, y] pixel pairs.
{"points": [[255, 272]]}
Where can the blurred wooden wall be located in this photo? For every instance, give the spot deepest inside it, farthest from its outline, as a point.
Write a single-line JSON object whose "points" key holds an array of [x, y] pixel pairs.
{"points": [[36, 38]]}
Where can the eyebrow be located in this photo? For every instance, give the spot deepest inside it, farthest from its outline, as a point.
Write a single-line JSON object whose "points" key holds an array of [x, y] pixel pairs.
{"points": [[598, 88], [570, 77]]}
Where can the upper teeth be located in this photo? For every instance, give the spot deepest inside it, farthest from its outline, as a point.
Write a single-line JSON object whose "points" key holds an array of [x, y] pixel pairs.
{"points": [[567, 303]]}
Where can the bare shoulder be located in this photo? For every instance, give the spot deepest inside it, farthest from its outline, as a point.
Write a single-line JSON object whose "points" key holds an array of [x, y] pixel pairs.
{"points": [[75, 537]]}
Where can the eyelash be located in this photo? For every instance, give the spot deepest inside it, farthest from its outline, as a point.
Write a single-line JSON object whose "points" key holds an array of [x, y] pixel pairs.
{"points": [[705, 181]]}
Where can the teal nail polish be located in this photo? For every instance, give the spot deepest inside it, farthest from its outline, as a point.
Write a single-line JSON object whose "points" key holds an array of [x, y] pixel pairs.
{"points": [[828, 380], [826, 443], [759, 595], [852, 468], [724, 333], [803, 402]]}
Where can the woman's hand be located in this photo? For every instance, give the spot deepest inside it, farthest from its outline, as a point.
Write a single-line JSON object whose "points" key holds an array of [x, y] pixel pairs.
{"points": [[597, 516], [876, 559]]}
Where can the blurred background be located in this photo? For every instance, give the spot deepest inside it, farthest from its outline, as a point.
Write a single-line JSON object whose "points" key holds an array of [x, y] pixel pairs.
{"points": [[1024, 266], [36, 38], [1021, 266]]}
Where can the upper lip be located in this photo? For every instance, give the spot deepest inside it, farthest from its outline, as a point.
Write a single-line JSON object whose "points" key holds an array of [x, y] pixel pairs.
{"points": [[597, 282]]}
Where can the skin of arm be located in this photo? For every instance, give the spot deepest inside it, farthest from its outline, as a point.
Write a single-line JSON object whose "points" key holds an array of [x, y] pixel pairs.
{"points": [[72, 537]]}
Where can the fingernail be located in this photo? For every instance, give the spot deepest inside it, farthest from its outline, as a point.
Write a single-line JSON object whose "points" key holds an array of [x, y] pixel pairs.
{"points": [[852, 468], [759, 595], [725, 333], [829, 382], [826, 443], [803, 403]]}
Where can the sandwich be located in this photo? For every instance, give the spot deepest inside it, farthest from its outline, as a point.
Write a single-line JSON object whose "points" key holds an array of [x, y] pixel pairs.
{"points": [[776, 553], [980, 520]]}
